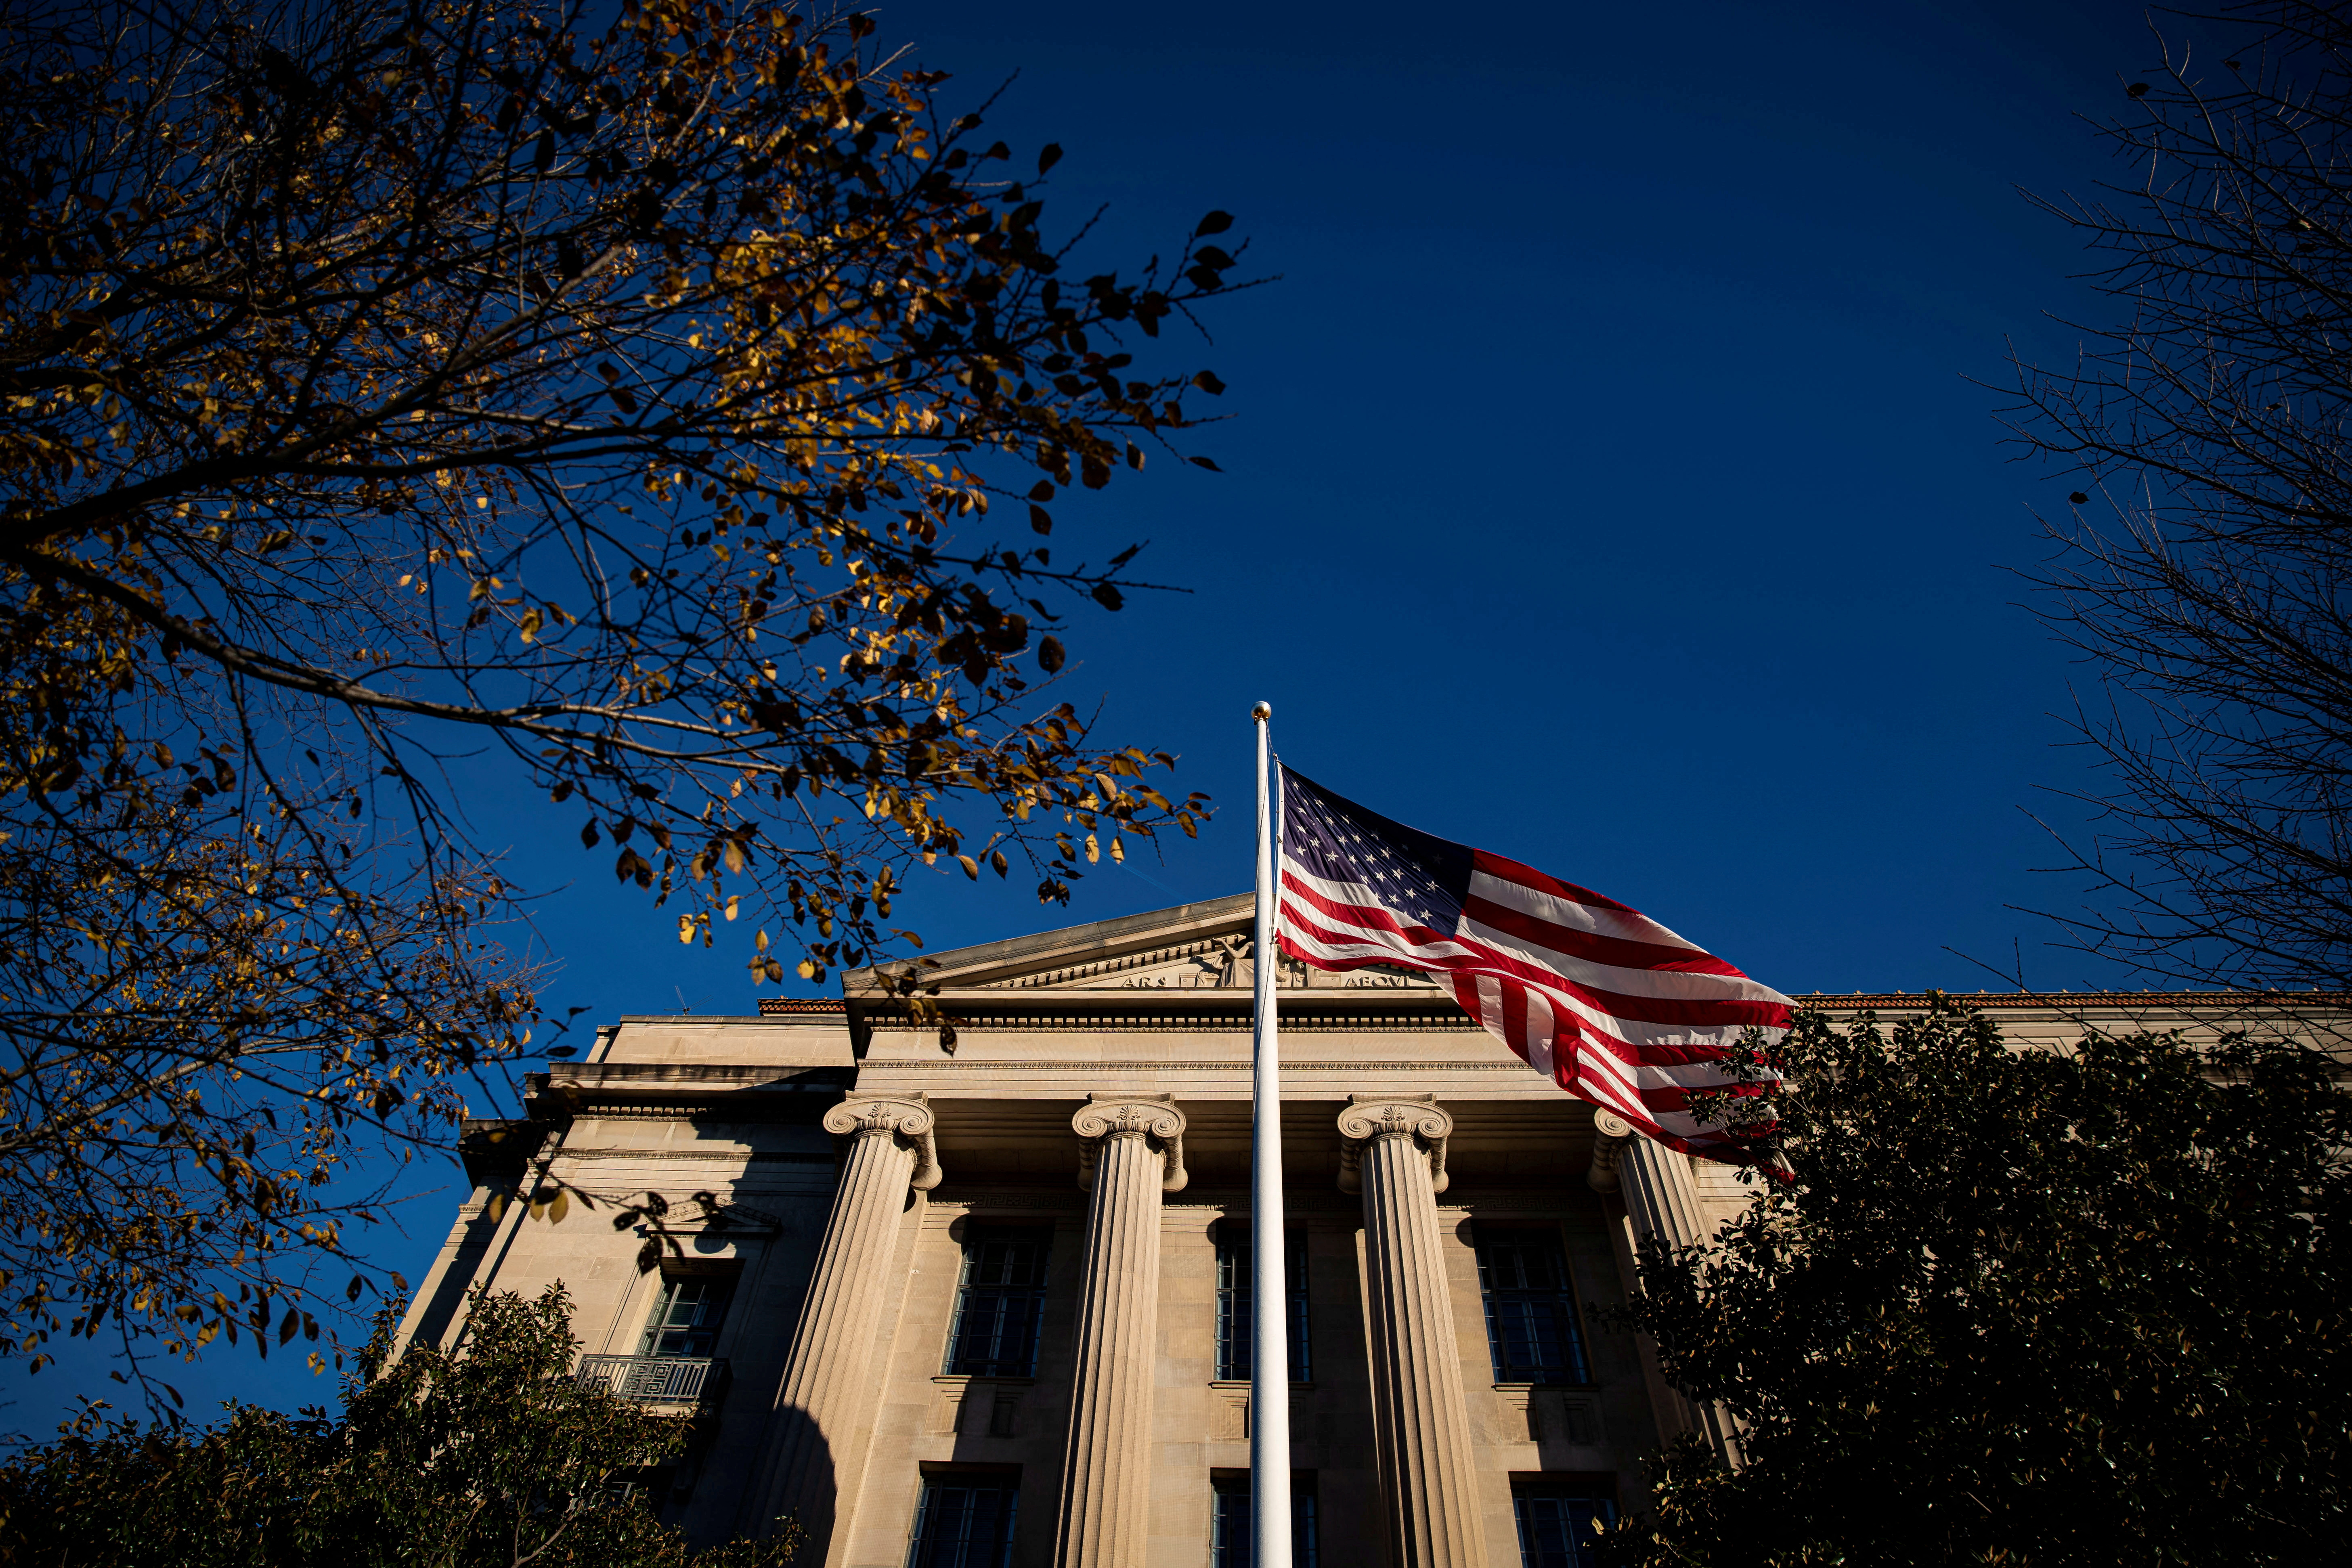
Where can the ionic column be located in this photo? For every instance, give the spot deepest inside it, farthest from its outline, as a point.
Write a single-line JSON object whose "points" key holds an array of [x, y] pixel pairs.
{"points": [[1661, 1197], [1661, 1201], [1133, 1151], [816, 1451], [1395, 1154]]}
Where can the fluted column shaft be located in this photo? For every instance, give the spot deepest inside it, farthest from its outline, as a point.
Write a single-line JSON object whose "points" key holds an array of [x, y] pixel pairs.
{"points": [[817, 1435], [1421, 1417], [1134, 1149], [1661, 1197], [1661, 1201]]}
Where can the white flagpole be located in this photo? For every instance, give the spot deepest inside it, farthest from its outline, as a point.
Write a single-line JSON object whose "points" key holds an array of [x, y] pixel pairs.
{"points": [[1269, 1295]]}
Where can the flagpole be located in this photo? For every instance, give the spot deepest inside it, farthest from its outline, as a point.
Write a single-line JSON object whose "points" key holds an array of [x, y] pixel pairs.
{"points": [[1269, 1293]]}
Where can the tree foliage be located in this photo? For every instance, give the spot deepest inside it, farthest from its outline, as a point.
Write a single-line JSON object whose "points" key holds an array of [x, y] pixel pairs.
{"points": [[2024, 1306], [672, 399], [2208, 590], [493, 1458]]}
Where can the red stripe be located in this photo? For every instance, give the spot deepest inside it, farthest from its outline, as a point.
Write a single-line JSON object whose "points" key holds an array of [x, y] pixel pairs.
{"points": [[1528, 876], [1373, 917], [1514, 1004], [1729, 1013]]}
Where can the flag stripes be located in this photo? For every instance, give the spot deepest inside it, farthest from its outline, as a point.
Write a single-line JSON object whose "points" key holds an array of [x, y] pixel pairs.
{"points": [[1609, 1004]]}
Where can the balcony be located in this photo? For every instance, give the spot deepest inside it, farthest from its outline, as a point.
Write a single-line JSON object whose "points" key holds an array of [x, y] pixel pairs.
{"points": [[657, 1379]]}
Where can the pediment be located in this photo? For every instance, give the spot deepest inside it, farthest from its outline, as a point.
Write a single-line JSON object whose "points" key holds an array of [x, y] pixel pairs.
{"points": [[1207, 946]]}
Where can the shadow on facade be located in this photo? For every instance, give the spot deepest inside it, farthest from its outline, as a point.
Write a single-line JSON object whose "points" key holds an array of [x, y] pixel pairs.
{"points": [[802, 1484]]}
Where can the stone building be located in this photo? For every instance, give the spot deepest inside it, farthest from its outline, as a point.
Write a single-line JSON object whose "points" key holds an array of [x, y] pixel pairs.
{"points": [[977, 1294]]}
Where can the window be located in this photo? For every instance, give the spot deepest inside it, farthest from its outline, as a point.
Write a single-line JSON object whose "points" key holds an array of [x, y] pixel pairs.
{"points": [[1233, 1303], [1002, 1304], [685, 1319], [1530, 1319], [1557, 1516], [1229, 1525], [965, 1519]]}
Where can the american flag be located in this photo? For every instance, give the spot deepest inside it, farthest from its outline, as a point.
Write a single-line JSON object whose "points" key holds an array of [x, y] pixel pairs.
{"points": [[1609, 1004]]}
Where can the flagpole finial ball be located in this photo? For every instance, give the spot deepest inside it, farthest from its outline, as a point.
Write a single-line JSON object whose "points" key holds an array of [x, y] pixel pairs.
{"points": [[1261, 712]]}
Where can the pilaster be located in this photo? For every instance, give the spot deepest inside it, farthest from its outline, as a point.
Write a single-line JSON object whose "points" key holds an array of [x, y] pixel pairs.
{"points": [[1395, 1156], [1131, 1151]]}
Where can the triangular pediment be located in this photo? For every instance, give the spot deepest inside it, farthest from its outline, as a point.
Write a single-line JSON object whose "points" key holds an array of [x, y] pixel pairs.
{"points": [[1207, 946]]}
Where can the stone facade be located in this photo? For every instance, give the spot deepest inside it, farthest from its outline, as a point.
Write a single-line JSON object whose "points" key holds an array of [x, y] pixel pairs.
{"points": [[858, 1202]]}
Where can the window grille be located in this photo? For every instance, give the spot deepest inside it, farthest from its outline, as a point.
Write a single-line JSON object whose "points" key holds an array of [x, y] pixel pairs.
{"points": [[1002, 1304], [1557, 1520], [1233, 1303], [686, 1318], [964, 1521], [1532, 1324], [1229, 1524]]}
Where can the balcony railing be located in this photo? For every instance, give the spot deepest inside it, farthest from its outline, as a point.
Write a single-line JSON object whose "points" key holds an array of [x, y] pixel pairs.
{"points": [[667, 1379]]}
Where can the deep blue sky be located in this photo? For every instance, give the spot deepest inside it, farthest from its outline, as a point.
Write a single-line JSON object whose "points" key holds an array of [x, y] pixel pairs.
{"points": [[1604, 484]]}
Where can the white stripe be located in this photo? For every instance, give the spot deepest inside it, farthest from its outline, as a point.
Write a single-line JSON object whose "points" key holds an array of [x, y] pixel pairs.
{"points": [[1357, 895], [1627, 924], [1490, 1006], [1541, 1055], [1389, 951]]}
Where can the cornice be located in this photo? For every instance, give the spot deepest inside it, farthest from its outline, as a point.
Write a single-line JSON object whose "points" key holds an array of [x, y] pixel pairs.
{"points": [[623, 1077], [1240, 1068], [1112, 1001], [1193, 1012], [1070, 946], [2270, 1002], [736, 1091]]}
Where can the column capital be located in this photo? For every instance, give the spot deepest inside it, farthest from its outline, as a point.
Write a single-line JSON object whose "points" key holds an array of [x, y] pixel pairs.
{"points": [[904, 1116], [1376, 1116], [1151, 1117], [1610, 1133]]}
